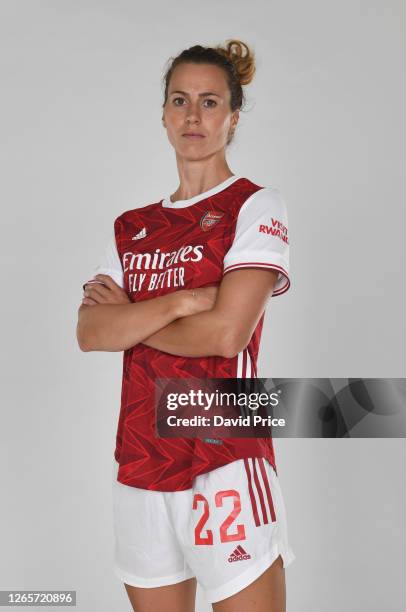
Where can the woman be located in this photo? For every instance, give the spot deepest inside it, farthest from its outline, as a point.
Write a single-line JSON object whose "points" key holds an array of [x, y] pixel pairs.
{"points": [[182, 291]]}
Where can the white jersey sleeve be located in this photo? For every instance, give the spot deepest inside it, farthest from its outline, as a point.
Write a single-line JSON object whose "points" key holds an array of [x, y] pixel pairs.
{"points": [[261, 237], [110, 264]]}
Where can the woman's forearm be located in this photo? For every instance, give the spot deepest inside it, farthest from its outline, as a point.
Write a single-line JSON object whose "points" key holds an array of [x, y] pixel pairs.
{"points": [[226, 329], [117, 327], [201, 335]]}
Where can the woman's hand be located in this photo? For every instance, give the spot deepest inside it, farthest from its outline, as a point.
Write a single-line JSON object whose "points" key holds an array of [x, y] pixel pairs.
{"points": [[106, 291], [198, 300]]}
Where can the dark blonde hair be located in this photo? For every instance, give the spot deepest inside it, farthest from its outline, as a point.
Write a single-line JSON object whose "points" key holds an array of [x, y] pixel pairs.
{"points": [[235, 58]]}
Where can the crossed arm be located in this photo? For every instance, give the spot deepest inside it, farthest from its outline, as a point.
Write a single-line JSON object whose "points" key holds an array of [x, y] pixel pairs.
{"points": [[224, 329]]}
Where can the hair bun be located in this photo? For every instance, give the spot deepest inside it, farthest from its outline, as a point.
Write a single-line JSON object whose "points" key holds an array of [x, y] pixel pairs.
{"points": [[239, 54]]}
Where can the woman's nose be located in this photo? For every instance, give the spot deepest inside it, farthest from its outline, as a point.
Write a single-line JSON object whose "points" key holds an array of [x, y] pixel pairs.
{"points": [[193, 113]]}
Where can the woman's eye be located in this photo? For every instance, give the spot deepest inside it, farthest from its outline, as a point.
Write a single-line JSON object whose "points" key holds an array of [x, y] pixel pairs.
{"points": [[208, 103]]}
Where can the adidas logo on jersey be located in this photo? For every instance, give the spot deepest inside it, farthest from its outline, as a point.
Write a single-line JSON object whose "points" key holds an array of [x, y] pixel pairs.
{"points": [[140, 234], [238, 554]]}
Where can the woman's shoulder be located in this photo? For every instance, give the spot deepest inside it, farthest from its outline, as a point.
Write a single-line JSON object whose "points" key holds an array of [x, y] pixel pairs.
{"points": [[133, 213], [264, 197]]}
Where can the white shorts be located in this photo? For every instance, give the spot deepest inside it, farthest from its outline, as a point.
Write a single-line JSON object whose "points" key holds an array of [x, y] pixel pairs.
{"points": [[226, 530]]}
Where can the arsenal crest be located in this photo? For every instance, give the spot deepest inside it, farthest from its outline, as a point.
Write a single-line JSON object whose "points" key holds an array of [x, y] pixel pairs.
{"points": [[210, 219]]}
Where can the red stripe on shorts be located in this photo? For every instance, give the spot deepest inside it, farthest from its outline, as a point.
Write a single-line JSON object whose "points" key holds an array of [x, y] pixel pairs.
{"points": [[260, 492], [252, 496], [267, 489]]}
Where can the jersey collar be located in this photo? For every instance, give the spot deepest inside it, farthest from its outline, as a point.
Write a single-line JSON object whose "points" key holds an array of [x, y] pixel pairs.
{"points": [[167, 203]]}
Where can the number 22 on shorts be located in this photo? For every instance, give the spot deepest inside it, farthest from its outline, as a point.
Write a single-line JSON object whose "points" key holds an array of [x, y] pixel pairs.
{"points": [[225, 536]]}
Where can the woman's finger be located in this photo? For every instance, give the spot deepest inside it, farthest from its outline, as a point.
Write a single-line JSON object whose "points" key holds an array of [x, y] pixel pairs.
{"points": [[108, 281], [97, 291], [102, 294], [117, 295]]}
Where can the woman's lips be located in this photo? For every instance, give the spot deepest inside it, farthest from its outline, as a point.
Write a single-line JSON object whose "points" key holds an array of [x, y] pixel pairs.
{"points": [[195, 136]]}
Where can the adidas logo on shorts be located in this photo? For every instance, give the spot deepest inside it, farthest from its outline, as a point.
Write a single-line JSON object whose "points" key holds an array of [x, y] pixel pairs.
{"points": [[239, 554]]}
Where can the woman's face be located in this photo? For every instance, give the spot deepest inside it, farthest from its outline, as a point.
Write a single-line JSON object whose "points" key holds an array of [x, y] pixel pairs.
{"points": [[198, 103]]}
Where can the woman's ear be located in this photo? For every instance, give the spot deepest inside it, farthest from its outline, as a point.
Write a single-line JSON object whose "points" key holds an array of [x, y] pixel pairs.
{"points": [[234, 119]]}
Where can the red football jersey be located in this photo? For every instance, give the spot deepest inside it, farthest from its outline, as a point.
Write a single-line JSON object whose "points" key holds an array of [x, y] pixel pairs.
{"points": [[166, 246]]}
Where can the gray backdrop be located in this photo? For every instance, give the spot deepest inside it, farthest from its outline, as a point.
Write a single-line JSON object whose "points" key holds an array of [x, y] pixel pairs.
{"points": [[82, 142]]}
